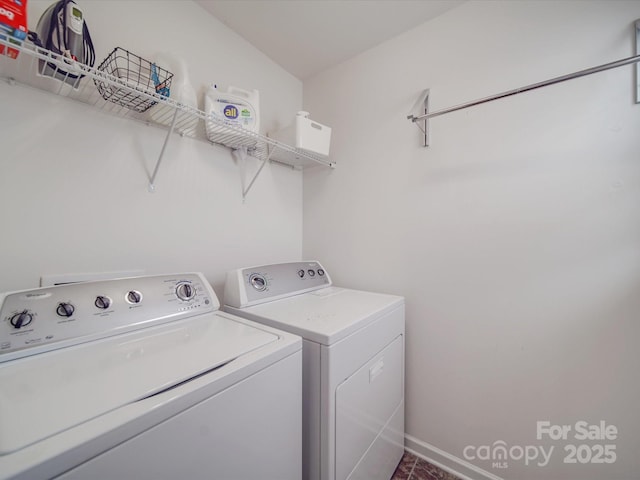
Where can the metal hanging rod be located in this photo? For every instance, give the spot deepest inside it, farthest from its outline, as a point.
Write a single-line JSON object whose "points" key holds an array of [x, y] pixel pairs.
{"points": [[563, 78]]}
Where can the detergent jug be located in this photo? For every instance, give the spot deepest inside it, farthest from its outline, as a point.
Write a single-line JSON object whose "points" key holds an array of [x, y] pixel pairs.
{"points": [[231, 112]]}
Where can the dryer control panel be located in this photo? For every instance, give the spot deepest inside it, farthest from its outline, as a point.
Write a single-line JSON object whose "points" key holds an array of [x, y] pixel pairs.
{"points": [[43, 319], [265, 283]]}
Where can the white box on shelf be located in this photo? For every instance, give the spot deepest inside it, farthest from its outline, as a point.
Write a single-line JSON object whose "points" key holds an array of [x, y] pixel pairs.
{"points": [[306, 135]]}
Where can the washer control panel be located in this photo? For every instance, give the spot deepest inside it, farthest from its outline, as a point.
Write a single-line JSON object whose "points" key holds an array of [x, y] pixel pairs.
{"points": [[249, 286], [43, 319]]}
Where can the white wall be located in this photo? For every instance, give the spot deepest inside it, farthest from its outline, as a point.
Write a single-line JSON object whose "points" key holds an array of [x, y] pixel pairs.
{"points": [[73, 181], [515, 237]]}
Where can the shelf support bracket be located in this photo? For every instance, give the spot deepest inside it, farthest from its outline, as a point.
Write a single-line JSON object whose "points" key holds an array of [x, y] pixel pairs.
{"points": [[242, 154], [637, 30], [152, 186], [423, 125]]}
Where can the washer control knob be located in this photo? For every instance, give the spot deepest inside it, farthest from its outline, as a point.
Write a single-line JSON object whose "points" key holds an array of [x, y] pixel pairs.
{"points": [[65, 309], [321, 272], [258, 282], [311, 273], [134, 297], [301, 273], [102, 302], [21, 319], [185, 291]]}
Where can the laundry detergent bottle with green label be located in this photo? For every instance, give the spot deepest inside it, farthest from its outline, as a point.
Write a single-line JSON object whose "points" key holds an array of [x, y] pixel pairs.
{"points": [[236, 108]]}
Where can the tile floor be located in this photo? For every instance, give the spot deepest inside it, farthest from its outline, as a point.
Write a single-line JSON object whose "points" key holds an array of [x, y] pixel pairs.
{"points": [[414, 468]]}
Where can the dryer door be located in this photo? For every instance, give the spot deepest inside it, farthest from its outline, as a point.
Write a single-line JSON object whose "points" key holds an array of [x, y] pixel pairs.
{"points": [[365, 402]]}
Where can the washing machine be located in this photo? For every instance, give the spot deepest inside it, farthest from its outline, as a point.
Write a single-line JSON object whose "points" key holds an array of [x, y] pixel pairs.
{"points": [[144, 378], [353, 364]]}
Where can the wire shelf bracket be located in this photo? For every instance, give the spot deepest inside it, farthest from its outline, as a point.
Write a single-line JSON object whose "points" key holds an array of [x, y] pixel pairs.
{"points": [[241, 154], [152, 185]]}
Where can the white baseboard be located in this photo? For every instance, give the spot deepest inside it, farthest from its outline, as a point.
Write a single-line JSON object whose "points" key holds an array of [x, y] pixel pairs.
{"points": [[450, 463]]}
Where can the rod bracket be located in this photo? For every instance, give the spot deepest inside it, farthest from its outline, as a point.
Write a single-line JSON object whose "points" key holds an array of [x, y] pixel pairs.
{"points": [[637, 37], [420, 121]]}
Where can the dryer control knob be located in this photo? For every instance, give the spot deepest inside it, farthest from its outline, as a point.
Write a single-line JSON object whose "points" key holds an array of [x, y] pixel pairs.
{"points": [[21, 319], [102, 302], [185, 291], [258, 282], [65, 309], [134, 297]]}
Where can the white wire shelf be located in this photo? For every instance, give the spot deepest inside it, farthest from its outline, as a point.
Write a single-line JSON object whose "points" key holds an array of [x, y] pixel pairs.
{"points": [[36, 67]]}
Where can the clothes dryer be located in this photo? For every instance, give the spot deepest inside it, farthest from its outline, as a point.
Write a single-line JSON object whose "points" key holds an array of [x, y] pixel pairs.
{"points": [[144, 378], [353, 364]]}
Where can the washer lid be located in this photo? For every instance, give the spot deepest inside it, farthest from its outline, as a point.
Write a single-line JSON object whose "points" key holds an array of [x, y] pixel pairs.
{"points": [[44, 394], [323, 316]]}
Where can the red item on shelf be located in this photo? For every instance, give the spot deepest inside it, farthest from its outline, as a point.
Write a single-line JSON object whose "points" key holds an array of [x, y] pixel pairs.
{"points": [[13, 24]]}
